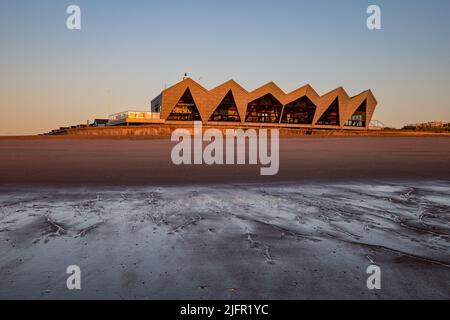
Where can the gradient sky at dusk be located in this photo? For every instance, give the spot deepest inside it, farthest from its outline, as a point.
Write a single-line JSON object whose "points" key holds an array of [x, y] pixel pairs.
{"points": [[128, 51]]}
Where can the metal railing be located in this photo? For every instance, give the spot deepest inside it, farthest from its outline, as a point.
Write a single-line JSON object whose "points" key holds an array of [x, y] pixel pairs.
{"points": [[375, 124]]}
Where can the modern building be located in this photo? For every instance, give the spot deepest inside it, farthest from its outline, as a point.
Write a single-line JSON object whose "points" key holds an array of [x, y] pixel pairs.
{"points": [[231, 104], [133, 118]]}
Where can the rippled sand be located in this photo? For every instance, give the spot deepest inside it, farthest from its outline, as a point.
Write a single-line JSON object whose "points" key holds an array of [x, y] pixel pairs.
{"points": [[280, 241]]}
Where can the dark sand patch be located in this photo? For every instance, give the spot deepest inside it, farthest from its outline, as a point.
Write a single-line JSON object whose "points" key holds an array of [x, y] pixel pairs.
{"points": [[126, 162]]}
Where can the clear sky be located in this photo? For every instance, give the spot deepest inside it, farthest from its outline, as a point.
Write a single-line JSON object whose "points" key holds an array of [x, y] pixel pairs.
{"points": [[128, 51]]}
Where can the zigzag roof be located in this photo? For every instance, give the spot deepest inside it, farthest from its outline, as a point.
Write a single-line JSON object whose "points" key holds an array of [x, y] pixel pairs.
{"points": [[208, 100]]}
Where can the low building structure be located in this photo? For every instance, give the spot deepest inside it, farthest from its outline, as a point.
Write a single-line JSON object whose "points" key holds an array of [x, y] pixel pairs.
{"points": [[231, 104]]}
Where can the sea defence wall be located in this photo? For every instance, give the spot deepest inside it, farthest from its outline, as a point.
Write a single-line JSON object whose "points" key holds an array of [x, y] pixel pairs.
{"points": [[162, 131], [155, 130]]}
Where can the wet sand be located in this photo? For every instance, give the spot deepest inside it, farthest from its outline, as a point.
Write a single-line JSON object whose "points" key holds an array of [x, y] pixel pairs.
{"points": [[286, 241], [140, 227], [127, 162]]}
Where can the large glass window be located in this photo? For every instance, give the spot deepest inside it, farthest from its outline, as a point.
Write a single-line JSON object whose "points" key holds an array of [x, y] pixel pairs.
{"points": [[331, 116], [264, 109], [358, 119], [300, 111], [227, 110], [185, 110]]}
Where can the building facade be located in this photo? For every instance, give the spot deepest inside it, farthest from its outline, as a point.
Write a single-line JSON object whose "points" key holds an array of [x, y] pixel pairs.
{"points": [[229, 103]]}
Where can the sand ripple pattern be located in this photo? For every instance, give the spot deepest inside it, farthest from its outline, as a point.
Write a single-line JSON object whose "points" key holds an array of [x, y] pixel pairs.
{"points": [[272, 241]]}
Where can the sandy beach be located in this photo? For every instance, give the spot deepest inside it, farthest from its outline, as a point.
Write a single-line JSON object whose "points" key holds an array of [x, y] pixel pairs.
{"points": [[140, 227], [128, 162], [240, 241]]}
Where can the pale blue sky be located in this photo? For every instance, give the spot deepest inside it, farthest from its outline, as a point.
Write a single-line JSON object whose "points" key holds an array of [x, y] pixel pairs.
{"points": [[127, 51]]}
